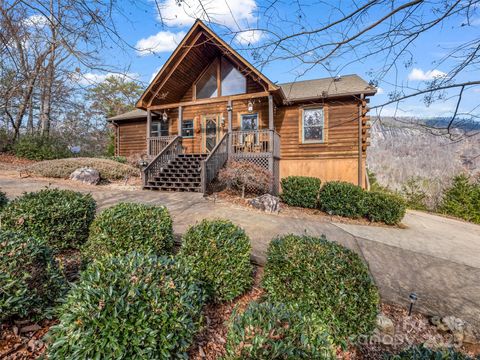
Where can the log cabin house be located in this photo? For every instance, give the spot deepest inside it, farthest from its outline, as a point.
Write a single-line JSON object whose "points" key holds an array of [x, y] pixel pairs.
{"points": [[208, 105]]}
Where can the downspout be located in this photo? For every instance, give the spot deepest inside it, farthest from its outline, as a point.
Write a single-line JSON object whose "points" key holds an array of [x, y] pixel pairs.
{"points": [[360, 142]]}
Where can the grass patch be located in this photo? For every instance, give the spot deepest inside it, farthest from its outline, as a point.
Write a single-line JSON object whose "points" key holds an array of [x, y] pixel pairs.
{"points": [[62, 168]]}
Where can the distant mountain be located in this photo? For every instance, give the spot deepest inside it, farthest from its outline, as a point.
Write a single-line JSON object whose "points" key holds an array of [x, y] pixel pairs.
{"points": [[439, 123]]}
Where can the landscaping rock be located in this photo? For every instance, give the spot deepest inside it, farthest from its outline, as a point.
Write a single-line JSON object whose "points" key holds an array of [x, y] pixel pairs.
{"points": [[470, 336], [266, 202], [86, 175], [385, 324]]}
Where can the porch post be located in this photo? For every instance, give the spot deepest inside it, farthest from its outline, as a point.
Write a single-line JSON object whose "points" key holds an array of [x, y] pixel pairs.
{"points": [[180, 119], [270, 113], [230, 125], [149, 126]]}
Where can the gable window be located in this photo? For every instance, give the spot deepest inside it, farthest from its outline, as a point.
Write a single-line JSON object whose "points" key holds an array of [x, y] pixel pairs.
{"points": [[313, 125], [233, 82], [207, 85], [187, 128], [159, 128]]}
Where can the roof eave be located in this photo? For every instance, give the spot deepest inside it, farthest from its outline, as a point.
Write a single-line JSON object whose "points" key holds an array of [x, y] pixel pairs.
{"points": [[320, 97]]}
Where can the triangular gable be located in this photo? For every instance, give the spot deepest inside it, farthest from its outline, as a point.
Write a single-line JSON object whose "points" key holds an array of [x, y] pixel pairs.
{"points": [[194, 53]]}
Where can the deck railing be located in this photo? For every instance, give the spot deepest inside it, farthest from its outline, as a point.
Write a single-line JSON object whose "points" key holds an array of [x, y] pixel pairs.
{"points": [[256, 141], [169, 153], [158, 143], [214, 162]]}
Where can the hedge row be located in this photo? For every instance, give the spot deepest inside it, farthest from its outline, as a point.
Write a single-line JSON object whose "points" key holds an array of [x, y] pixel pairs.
{"points": [[343, 199]]}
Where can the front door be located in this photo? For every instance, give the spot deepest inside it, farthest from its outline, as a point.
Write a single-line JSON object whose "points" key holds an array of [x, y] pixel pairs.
{"points": [[210, 132]]}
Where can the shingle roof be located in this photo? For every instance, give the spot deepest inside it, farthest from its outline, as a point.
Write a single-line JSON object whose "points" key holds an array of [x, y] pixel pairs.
{"points": [[327, 87], [134, 114]]}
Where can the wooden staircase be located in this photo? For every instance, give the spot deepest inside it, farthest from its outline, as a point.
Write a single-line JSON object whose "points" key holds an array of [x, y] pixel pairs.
{"points": [[183, 173]]}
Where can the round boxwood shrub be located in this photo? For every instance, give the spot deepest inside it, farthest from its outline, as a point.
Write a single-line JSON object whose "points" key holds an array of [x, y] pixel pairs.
{"points": [[3, 200], [342, 198], [325, 278], [128, 227], [267, 331], [60, 217], [300, 191], [129, 307], [420, 352], [29, 278], [387, 208], [219, 254]]}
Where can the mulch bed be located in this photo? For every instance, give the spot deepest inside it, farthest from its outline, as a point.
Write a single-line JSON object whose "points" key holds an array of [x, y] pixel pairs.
{"points": [[297, 212]]}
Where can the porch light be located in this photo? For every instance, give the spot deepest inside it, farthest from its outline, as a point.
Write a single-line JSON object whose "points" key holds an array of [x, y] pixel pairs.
{"points": [[413, 299], [229, 108], [164, 116], [250, 106]]}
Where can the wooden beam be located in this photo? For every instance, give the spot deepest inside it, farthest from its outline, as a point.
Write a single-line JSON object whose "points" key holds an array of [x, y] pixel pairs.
{"points": [[211, 100], [180, 119], [271, 125], [149, 126], [230, 125]]}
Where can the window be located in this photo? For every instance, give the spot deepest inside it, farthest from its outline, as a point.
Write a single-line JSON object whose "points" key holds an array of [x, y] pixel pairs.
{"points": [[187, 128], [159, 128], [249, 122], [313, 126], [206, 86], [233, 82]]}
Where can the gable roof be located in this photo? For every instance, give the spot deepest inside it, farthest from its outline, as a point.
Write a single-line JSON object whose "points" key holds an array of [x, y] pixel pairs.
{"points": [[202, 45], [327, 88]]}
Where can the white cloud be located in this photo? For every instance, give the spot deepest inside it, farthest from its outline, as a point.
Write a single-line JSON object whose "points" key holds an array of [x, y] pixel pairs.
{"points": [[224, 12], [154, 74], [420, 75], [160, 42], [95, 78], [417, 111], [249, 37], [36, 20], [380, 90]]}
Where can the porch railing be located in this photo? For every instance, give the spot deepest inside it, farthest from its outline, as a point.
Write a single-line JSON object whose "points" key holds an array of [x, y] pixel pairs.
{"points": [[214, 162], [158, 143], [169, 153], [256, 141]]}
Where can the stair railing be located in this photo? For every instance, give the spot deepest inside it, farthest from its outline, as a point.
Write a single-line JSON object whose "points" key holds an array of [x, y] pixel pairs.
{"points": [[169, 153], [214, 162]]}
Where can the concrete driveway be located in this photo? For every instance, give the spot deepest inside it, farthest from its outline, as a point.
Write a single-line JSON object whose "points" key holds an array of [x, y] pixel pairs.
{"points": [[436, 257]]}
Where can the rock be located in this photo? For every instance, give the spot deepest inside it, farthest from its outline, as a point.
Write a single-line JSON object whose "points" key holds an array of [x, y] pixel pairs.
{"points": [[469, 335], [266, 202], [453, 324], [30, 328], [385, 324], [86, 175], [31, 345]]}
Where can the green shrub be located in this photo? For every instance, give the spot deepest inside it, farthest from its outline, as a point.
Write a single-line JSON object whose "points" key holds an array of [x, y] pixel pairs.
{"points": [[129, 307], [3, 200], [38, 147], [128, 227], [342, 198], [120, 159], [420, 352], [60, 217], [387, 208], [462, 199], [414, 194], [266, 331], [300, 191], [325, 278], [29, 278], [219, 253]]}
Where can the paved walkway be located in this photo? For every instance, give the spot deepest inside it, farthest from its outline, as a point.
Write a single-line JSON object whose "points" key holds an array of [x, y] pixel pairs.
{"points": [[435, 257]]}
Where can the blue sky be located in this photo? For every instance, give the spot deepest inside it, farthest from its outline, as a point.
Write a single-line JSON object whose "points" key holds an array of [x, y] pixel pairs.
{"points": [[143, 28]]}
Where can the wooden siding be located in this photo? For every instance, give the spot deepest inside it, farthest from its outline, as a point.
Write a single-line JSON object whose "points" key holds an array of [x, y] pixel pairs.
{"points": [[132, 137], [341, 131]]}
